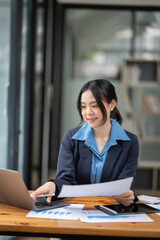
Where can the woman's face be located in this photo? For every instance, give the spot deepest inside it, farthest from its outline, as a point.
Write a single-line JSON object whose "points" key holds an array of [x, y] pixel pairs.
{"points": [[90, 110]]}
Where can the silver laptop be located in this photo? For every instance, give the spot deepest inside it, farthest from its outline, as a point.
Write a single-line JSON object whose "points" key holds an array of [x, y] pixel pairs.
{"points": [[13, 191]]}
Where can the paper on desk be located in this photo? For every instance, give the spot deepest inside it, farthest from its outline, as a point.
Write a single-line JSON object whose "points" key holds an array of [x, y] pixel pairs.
{"points": [[99, 216], [156, 206], [149, 199], [98, 189], [70, 212]]}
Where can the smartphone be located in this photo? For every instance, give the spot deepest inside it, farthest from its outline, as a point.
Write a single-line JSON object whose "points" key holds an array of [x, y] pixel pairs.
{"points": [[119, 209]]}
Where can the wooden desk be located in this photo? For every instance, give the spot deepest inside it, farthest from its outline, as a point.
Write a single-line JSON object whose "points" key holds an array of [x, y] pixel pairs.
{"points": [[13, 221]]}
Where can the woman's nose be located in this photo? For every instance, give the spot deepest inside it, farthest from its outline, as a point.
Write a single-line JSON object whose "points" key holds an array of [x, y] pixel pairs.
{"points": [[89, 110]]}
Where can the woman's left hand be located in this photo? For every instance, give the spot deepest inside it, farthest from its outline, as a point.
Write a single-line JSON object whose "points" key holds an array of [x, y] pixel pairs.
{"points": [[126, 198]]}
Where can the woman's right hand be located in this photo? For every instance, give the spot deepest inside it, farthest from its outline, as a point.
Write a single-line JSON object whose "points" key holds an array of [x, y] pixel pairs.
{"points": [[46, 188]]}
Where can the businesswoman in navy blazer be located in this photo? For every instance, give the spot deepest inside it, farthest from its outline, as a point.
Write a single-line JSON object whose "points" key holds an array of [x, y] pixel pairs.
{"points": [[99, 150]]}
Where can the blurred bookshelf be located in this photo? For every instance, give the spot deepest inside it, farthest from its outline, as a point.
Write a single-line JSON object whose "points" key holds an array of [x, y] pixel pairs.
{"points": [[141, 112]]}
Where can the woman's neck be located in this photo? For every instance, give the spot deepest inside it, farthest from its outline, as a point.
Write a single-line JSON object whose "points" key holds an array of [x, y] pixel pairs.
{"points": [[103, 132]]}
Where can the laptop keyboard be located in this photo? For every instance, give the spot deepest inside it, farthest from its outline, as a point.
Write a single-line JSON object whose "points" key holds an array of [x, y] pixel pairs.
{"points": [[43, 205]]}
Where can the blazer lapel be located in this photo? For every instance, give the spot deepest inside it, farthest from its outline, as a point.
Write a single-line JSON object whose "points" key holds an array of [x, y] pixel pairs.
{"points": [[111, 159], [86, 154]]}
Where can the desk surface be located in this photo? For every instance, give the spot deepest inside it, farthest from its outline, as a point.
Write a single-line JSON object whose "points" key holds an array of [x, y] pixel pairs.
{"points": [[13, 221]]}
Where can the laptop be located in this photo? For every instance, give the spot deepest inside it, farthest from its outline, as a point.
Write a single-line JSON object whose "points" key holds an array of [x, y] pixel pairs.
{"points": [[13, 191]]}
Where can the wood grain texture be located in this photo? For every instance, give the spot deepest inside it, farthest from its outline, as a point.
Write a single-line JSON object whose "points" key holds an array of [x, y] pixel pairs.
{"points": [[14, 220]]}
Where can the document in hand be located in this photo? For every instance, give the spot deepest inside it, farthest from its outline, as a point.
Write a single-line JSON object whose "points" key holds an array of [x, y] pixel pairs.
{"points": [[98, 189]]}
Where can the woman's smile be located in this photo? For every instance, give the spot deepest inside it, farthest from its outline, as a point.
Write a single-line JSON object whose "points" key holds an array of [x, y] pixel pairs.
{"points": [[91, 119]]}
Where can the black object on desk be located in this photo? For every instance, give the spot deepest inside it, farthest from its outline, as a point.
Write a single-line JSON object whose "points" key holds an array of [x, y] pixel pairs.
{"points": [[119, 209]]}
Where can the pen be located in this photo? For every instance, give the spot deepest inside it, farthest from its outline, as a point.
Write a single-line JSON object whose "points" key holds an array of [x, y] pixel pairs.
{"points": [[46, 195]]}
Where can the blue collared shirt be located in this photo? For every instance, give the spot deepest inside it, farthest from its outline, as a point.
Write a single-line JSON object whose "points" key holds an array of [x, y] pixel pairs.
{"points": [[85, 133]]}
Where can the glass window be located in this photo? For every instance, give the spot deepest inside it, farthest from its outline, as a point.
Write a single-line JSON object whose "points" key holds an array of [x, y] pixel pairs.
{"points": [[37, 87], [98, 41], [22, 89], [5, 8], [147, 35]]}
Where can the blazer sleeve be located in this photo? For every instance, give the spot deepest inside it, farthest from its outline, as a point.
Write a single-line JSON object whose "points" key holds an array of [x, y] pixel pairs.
{"points": [[66, 163], [130, 166]]}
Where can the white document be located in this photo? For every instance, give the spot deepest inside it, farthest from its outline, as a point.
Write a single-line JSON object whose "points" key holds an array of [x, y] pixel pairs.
{"points": [[148, 199], [71, 212], [98, 189], [98, 216], [156, 206]]}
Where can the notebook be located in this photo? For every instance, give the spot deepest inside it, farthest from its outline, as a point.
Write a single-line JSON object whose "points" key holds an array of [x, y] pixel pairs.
{"points": [[13, 191]]}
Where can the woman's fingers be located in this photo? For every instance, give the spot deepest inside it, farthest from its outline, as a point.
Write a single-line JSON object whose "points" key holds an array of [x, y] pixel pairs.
{"points": [[47, 188], [126, 198]]}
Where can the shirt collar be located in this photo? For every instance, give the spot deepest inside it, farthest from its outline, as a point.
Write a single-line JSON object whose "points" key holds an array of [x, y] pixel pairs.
{"points": [[83, 133], [117, 132]]}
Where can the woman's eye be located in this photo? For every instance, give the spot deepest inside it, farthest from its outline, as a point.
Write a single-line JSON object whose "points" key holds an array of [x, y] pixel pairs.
{"points": [[82, 106]]}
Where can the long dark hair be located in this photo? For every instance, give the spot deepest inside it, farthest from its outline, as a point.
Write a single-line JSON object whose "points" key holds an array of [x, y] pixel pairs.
{"points": [[101, 89]]}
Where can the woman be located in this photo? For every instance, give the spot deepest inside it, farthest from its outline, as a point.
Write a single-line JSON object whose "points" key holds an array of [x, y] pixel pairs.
{"points": [[100, 150]]}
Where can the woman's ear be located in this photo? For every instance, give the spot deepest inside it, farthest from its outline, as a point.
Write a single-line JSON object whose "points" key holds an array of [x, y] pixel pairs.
{"points": [[113, 104]]}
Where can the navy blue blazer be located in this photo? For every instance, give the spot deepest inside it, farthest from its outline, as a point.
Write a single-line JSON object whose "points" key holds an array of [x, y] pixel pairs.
{"points": [[74, 161]]}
